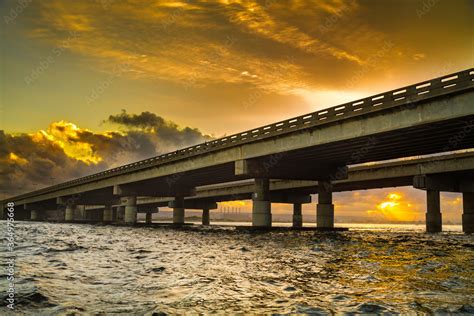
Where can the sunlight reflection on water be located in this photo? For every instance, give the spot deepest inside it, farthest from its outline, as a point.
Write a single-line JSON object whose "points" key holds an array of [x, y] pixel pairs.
{"points": [[65, 268]]}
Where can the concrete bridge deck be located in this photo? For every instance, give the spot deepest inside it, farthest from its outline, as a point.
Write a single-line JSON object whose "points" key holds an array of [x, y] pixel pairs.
{"points": [[430, 117]]}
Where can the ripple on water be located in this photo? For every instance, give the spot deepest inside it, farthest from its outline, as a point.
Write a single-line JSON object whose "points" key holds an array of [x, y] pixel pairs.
{"points": [[64, 268]]}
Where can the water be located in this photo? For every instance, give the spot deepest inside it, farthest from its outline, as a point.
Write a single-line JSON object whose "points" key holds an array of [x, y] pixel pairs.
{"points": [[87, 269]]}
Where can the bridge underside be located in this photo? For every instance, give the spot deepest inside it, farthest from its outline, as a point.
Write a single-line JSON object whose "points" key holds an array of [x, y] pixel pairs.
{"points": [[420, 140]]}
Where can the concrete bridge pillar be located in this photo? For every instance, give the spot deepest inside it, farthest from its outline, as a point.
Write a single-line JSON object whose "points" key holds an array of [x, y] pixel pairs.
{"points": [[178, 210], [262, 211], [120, 213], [130, 216], [34, 215], [108, 214], [206, 217], [69, 213], [468, 212], [114, 214], [297, 215], [148, 217], [325, 208], [433, 212], [80, 213]]}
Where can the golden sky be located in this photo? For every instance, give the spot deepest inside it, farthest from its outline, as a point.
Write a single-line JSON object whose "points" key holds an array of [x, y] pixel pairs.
{"points": [[201, 69]]}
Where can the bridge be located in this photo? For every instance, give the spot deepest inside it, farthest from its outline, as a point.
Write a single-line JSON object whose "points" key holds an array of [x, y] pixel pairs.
{"points": [[315, 150]]}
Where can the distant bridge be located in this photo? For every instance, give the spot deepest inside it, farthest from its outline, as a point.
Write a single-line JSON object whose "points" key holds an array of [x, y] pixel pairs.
{"points": [[430, 117]]}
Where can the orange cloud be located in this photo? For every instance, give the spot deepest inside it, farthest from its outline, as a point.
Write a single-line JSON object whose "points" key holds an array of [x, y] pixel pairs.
{"points": [[395, 208], [66, 135]]}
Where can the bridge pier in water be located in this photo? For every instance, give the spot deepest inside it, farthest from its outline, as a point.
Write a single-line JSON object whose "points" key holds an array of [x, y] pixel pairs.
{"points": [[297, 215], [178, 210], [69, 213], [325, 208], [34, 215], [148, 217], [120, 213], [261, 205], [433, 212], [206, 217], [468, 212], [130, 216], [108, 214]]}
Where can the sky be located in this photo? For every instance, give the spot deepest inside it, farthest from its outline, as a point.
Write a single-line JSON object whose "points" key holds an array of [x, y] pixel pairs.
{"points": [[89, 85]]}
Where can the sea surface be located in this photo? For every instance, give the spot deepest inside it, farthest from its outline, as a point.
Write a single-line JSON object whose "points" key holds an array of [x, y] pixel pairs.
{"points": [[91, 269]]}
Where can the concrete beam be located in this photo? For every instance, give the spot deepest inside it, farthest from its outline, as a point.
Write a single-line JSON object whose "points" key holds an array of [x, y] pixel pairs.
{"points": [[275, 169], [87, 200], [146, 190], [445, 182]]}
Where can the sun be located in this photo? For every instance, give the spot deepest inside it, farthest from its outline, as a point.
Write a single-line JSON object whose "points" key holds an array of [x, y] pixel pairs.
{"points": [[394, 208]]}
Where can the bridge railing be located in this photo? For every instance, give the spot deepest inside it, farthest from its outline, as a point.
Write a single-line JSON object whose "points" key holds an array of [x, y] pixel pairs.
{"points": [[408, 95]]}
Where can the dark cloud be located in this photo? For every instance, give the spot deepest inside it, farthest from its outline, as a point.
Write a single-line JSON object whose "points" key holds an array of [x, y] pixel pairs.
{"points": [[65, 151], [167, 133]]}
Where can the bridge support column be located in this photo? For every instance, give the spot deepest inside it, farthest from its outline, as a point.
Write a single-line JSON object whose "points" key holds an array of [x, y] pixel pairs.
{"points": [[148, 217], [262, 210], [325, 208], [120, 213], [69, 213], [34, 215], [114, 214], [108, 214], [80, 213], [297, 215], [206, 217], [130, 216], [468, 212], [433, 212], [178, 210]]}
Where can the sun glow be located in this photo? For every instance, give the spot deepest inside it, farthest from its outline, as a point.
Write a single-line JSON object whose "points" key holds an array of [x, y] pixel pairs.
{"points": [[394, 208], [233, 204]]}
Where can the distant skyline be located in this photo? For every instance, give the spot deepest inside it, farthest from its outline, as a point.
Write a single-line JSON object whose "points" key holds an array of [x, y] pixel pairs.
{"points": [[89, 85]]}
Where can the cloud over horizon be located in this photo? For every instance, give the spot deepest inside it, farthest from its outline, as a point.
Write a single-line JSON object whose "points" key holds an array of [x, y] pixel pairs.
{"points": [[65, 151]]}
